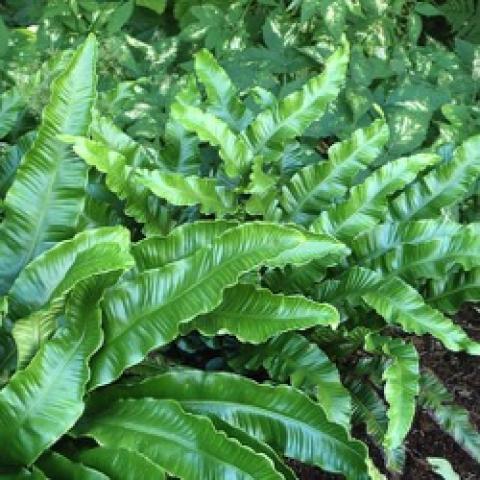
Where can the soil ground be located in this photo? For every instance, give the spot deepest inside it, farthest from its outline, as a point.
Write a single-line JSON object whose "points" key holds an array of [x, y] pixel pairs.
{"points": [[461, 374]]}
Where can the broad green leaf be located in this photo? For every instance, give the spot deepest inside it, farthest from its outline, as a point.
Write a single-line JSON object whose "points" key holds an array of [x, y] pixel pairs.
{"points": [[146, 312], [399, 303], [39, 291], [452, 418], [47, 195], [58, 270], [223, 97], [387, 237], [183, 241], [367, 203], [59, 467], [12, 102], [181, 149], [445, 185], [280, 416], [43, 401], [292, 357], [256, 445], [233, 149], [432, 258], [401, 378], [178, 189], [139, 202], [289, 117], [443, 468], [450, 293], [255, 315], [185, 445], [317, 186], [120, 463]]}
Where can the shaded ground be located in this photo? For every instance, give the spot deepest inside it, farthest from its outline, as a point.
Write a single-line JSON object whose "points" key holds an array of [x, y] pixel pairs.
{"points": [[461, 374]]}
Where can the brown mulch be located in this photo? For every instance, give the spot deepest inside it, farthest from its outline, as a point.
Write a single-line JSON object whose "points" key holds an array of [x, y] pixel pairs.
{"points": [[461, 374]]}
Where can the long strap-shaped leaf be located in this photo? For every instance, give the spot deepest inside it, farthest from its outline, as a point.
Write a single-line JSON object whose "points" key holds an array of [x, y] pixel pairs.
{"points": [[401, 378], [185, 445], [451, 418], [445, 185], [317, 186], [42, 402], [120, 463], [398, 303], [292, 357], [223, 97], [281, 416], [234, 150], [146, 312], [367, 203], [255, 315], [183, 241], [58, 270], [46, 198], [289, 117], [178, 189], [62, 468]]}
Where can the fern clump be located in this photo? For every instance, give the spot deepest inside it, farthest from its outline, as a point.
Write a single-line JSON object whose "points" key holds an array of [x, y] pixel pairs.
{"points": [[224, 231]]}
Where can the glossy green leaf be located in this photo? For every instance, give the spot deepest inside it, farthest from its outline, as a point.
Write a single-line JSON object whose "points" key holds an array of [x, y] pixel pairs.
{"points": [[223, 97], [12, 102], [443, 468], [59, 467], [366, 205], [43, 401], [178, 189], [45, 200], [445, 185], [292, 357], [183, 241], [185, 445], [146, 312], [233, 149], [120, 463], [401, 378], [280, 416], [289, 117], [255, 315], [317, 186]]}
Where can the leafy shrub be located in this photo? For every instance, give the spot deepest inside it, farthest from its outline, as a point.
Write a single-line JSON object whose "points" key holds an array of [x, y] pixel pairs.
{"points": [[294, 205]]}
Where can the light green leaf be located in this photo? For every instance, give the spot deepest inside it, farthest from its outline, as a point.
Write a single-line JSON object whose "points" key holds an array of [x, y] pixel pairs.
{"points": [[185, 445], [223, 97], [183, 241], [447, 184], [290, 117], [443, 468], [367, 203], [452, 418], [401, 378], [146, 312], [43, 401], [234, 150], [399, 303], [317, 186], [178, 189], [292, 357], [46, 198], [255, 315]]}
